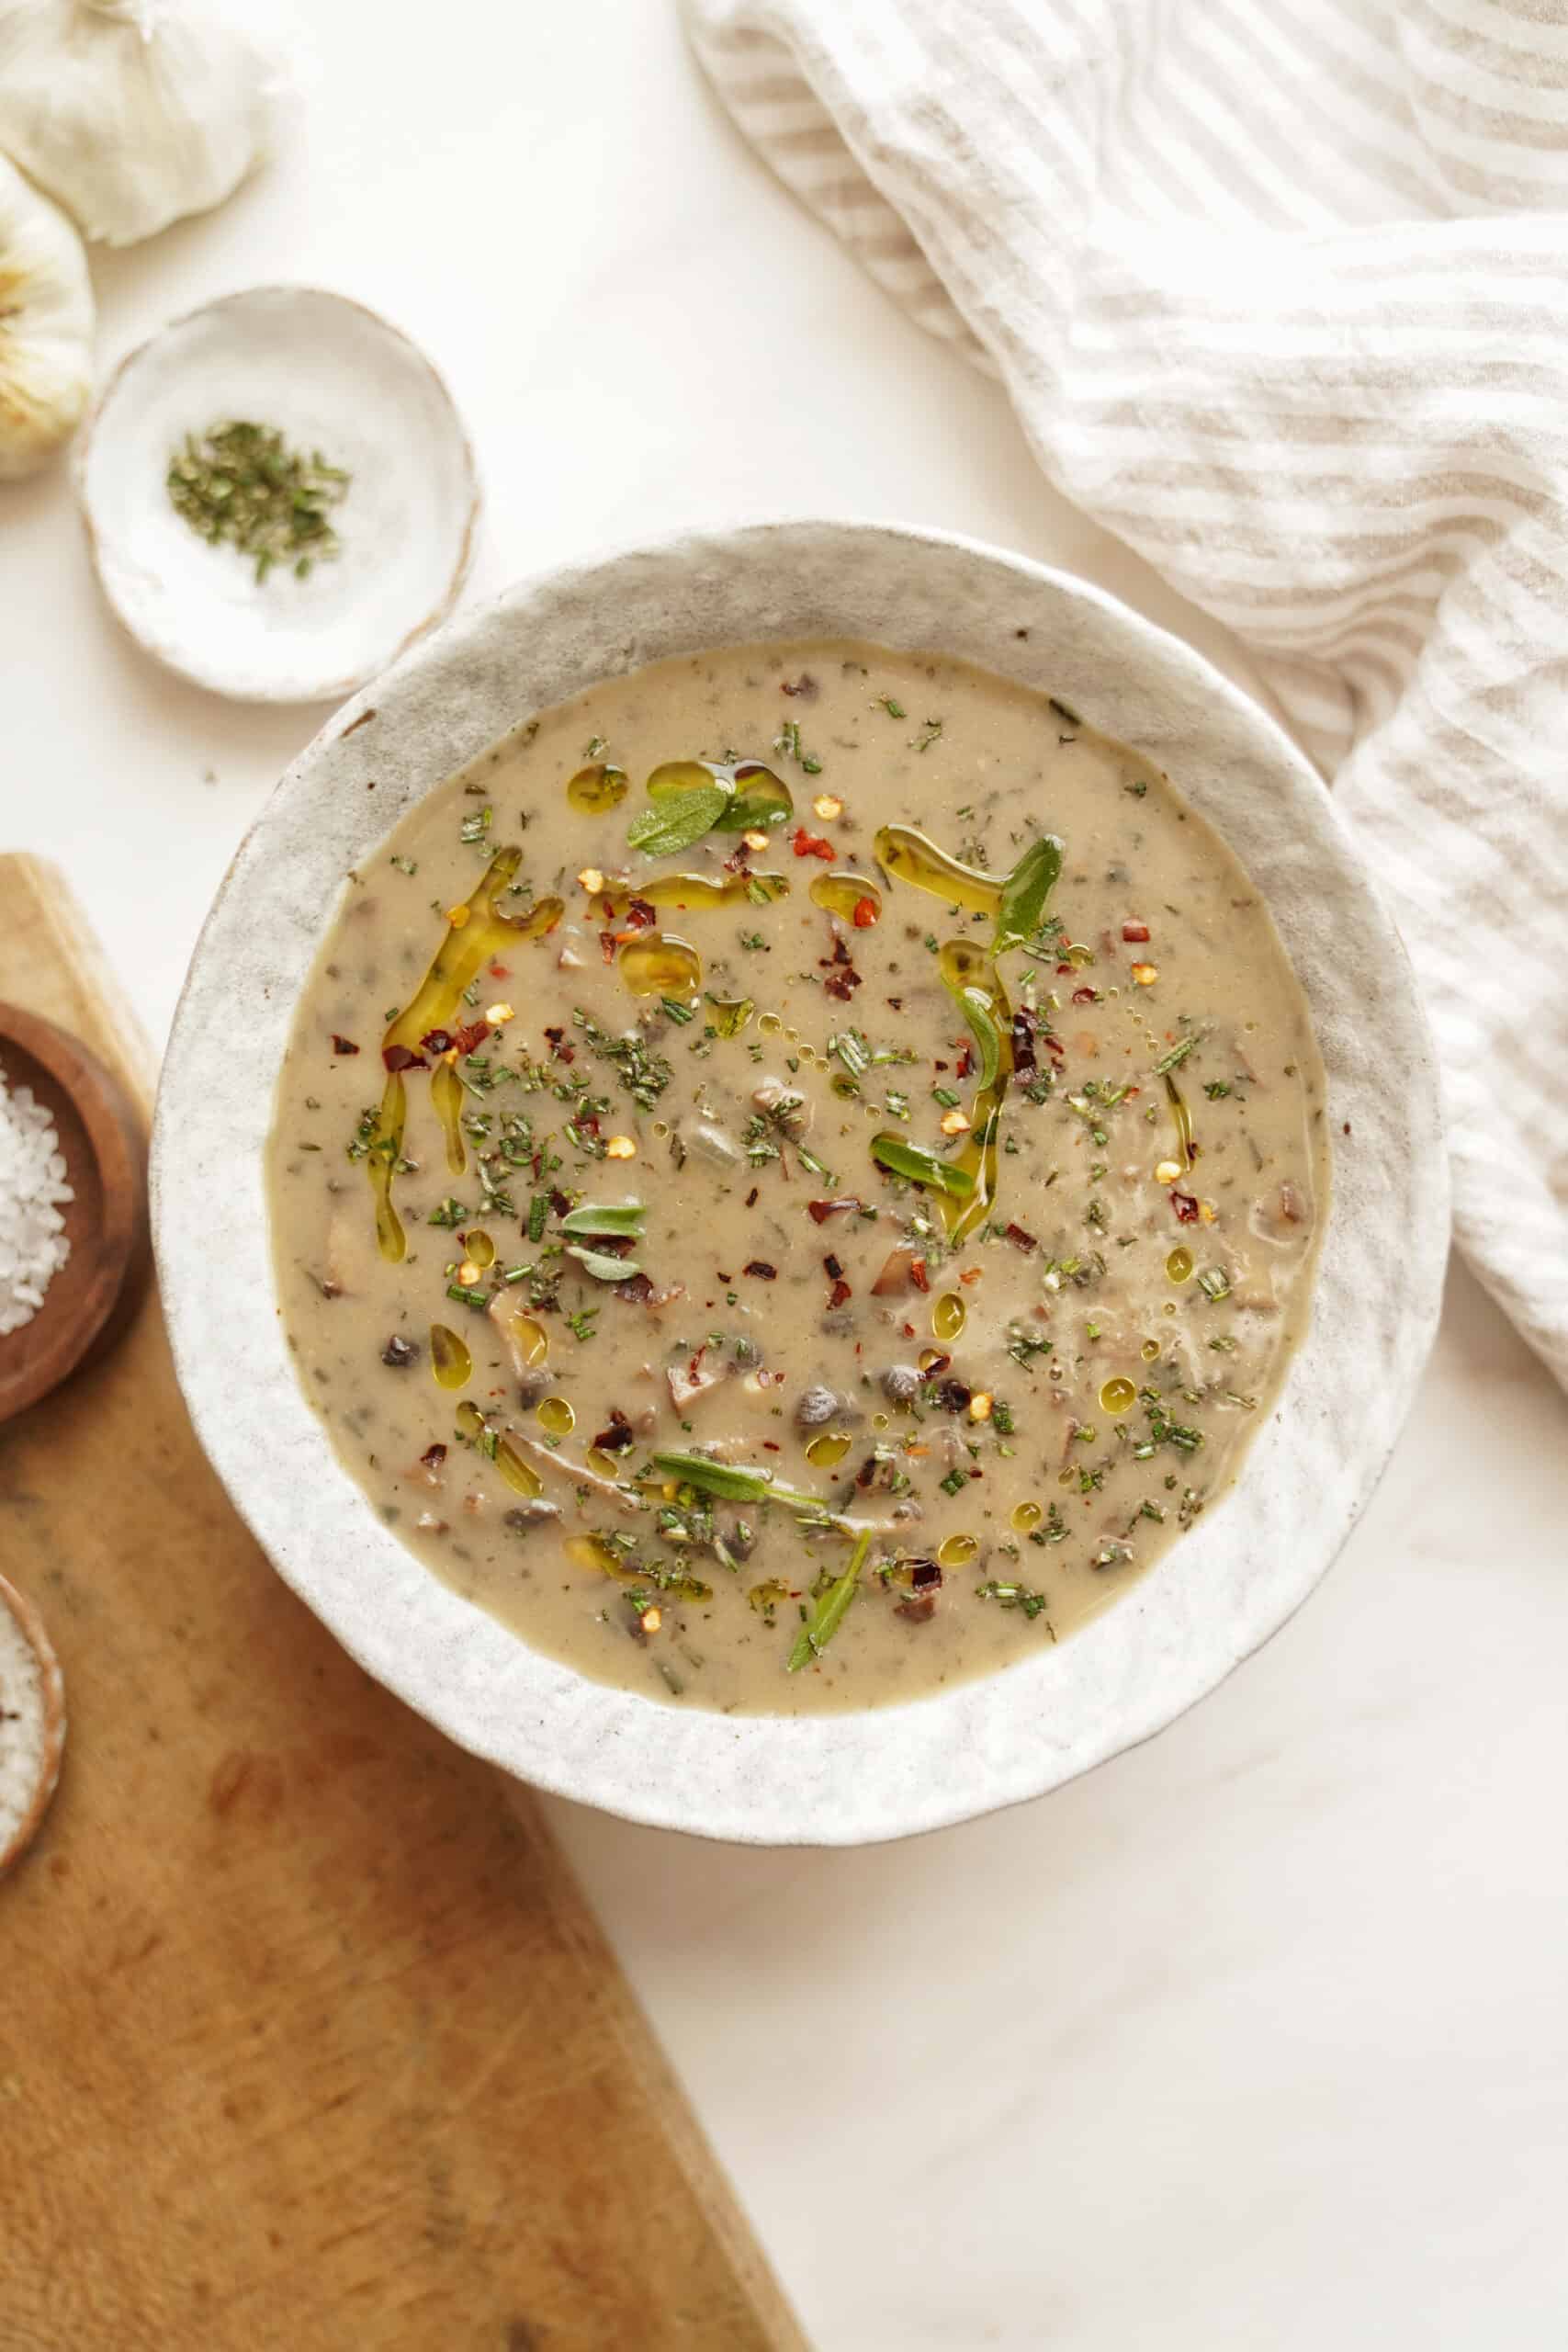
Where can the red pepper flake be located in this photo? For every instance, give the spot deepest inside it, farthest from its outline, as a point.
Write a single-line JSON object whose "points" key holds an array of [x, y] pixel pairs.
{"points": [[864, 914], [1020, 1238], [840, 1292], [344, 1045], [1134, 933], [641, 913], [402, 1058], [561, 1201], [433, 1456], [1086, 996], [1052, 1045], [806, 844], [842, 977], [770, 1445], [761, 1270], [966, 1064], [835, 1270], [471, 1036], [436, 1041], [1025, 1029], [1186, 1207], [618, 1436], [752, 1197], [607, 945], [917, 1274], [925, 1576], [637, 1288], [823, 1210], [500, 971]]}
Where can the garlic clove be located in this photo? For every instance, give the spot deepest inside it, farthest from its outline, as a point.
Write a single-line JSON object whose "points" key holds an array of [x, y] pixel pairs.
{"points": [[46, 328], [132, 113]]}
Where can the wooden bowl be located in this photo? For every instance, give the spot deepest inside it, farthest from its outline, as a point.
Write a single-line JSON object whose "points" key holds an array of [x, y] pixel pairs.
{"points": [[106, 1163]]}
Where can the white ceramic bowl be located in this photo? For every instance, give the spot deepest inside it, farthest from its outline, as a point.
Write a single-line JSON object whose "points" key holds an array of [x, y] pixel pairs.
{"points": [[331, 376], [1224, 1589]]}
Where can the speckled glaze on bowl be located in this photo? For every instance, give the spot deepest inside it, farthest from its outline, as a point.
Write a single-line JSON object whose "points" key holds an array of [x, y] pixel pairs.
{"points": [[847, 1779]]}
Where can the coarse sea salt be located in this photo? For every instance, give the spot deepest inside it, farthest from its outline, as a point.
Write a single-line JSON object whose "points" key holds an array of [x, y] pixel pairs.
{"points": [[33, 1244]]}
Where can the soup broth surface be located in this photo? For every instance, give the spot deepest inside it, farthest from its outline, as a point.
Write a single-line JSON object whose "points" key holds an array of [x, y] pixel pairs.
{"points": [[795, 1176]]}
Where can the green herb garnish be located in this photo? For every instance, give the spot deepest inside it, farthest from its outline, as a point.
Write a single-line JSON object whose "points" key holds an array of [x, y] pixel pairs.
{"points": [[830, 1611], [624, 1217], [901, 1159], [240, 483], [1026, 891], [1014, 1596], [1177, 1054], [602, 1268], [676, 822]]}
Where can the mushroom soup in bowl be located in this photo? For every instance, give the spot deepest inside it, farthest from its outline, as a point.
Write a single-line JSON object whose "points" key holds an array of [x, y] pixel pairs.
{"points": [[796, 1174], [787, 1255]]}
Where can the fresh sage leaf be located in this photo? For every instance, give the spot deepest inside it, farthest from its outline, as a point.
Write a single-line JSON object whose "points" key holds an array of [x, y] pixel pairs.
{"points": [[1026, 890], [901, 1159], [675, 823], [678, 776], [619, 1217], [603, 1269], [830, 1611], [976, 1007]]}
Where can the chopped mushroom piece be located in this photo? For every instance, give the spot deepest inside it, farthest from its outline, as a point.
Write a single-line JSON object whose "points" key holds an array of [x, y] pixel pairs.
{"points": [[692, 1379]]}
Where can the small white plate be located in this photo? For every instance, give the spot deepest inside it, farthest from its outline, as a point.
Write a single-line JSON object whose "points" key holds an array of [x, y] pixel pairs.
{"points": [[331, 376]]}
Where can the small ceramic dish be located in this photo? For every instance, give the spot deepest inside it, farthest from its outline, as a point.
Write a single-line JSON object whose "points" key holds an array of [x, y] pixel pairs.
{"points": [[101, 1143], [1252, 1558], [331, 377], [32, 1724]]}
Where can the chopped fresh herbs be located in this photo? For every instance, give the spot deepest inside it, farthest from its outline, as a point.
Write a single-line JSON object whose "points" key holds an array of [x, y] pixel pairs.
{"points": [[239, 484], [1176, 1055], [1013, 1596]]}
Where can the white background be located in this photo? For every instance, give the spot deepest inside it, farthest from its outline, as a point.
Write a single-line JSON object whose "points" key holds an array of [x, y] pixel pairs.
{"points": [[1258, 2036]]}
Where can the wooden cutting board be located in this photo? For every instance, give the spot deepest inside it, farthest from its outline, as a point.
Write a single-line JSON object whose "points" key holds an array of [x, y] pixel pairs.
{"points": [[306, 2037]]}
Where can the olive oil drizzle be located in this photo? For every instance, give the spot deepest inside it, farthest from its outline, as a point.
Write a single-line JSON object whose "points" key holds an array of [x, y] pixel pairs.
{"points": [[970, 976], [476, 932]]}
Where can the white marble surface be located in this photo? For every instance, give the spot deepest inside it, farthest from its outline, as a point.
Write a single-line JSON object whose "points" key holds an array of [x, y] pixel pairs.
{"points": [[1258, 2036]]}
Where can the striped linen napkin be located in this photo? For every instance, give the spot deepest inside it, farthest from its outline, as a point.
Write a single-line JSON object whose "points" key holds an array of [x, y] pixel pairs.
{"points": [[1278, 289]]}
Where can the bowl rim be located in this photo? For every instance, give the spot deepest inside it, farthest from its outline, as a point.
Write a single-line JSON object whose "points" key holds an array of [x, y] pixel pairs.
{"points": [[1215, 1597], [208, 676]]}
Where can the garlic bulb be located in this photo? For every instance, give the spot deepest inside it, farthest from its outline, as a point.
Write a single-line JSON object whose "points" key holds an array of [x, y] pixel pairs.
{"points": [[132, 113], [46, 328]]}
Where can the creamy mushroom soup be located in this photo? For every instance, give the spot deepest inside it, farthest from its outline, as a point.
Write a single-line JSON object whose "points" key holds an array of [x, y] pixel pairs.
{"points": [[794, 1177]]}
